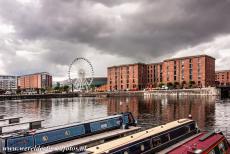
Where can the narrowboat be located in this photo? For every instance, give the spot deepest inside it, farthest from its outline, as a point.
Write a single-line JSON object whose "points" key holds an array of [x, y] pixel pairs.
{"points": [[149, 141], [204, 143], [15, 142]]}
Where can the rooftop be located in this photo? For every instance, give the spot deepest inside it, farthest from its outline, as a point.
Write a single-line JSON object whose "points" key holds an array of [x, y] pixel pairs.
{"points": [[128, 65], [8, 76], [222, 71], [35, 74], [195, 56]]}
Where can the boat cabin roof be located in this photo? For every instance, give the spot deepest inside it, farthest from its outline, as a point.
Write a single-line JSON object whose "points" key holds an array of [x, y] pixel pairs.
{"points": [[78, 123], [202, 143], [5, 135], [107, 147]]}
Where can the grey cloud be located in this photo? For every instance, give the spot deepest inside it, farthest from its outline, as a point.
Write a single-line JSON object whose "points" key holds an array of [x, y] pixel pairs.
{"points": [[156, 29]]}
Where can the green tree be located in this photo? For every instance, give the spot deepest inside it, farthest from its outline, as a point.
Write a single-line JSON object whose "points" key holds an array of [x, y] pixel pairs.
{"points": [[183, 84], [176, 84], [43, 90], [170, 85], [57, 87], [161, 84], [66, 88], [191, 84], [18, 91]]}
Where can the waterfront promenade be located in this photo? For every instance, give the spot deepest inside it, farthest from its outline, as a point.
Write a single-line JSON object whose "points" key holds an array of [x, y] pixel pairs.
{"points": [[211, 91], [37, 96]]}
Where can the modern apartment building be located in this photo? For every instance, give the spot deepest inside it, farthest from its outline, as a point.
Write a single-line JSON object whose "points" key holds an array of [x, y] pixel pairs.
{"points": [[199, 69], [8, 82], [35, 81], [223, 77]]}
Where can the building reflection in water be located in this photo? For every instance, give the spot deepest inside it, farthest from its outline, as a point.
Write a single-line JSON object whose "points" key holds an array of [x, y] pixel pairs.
{"points": [[156, 110], [149, 111], [123, 104]]}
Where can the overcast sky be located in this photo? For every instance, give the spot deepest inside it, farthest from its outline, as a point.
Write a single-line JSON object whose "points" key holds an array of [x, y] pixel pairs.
{"points": [[46, 35]]}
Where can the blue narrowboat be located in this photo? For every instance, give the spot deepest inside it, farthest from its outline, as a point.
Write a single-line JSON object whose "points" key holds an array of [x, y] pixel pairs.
{"points": [[13, 142]]}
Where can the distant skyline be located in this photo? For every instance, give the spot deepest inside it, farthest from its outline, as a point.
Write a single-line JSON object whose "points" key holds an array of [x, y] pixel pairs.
{"points": [[46, 35]]}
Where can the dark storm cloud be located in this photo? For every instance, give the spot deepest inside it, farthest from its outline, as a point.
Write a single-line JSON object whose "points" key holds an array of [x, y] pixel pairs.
{"points": [[155, 28]]}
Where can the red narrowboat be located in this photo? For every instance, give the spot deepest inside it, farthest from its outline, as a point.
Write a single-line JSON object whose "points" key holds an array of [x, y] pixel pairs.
{"points": [[203, 143]]}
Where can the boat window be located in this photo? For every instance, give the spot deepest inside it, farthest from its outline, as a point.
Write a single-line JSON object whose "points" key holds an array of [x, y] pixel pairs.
{"points": [[164, 138], [126, 152], [192, 126], [221, 148], [156, 142], [178, 132], [212, 152], [216, 150], [135, 149], [142, 147], [226, 145]]}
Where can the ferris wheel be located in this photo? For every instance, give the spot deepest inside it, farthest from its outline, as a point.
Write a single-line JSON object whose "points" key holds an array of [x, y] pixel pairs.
{"points": [[81, 73]]}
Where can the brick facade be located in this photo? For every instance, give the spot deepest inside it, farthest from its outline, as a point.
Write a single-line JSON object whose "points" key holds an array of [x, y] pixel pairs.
{"points": [[35, 81], [154, 74], [199, 69], [223, 77], [127, 77]]}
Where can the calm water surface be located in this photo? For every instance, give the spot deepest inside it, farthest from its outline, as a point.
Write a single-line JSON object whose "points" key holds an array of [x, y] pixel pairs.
{"points": [[209, 112]]}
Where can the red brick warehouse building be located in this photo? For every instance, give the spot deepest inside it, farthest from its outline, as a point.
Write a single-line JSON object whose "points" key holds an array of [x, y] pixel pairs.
{"points": [[35, 81], [223, 77], [130, 76], [200, 69]]}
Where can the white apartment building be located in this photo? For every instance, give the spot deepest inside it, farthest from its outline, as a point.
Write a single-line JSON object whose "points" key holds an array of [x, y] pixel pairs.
{"points": [[8, 82]]}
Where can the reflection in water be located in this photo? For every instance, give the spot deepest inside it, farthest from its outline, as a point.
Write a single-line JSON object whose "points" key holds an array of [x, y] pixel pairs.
{"points": [[149, 111], [152, 111], [55, 111]]}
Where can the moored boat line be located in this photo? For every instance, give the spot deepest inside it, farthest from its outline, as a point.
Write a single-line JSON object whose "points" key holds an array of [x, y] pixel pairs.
{"points": [[178, 137], [14, 142]]}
